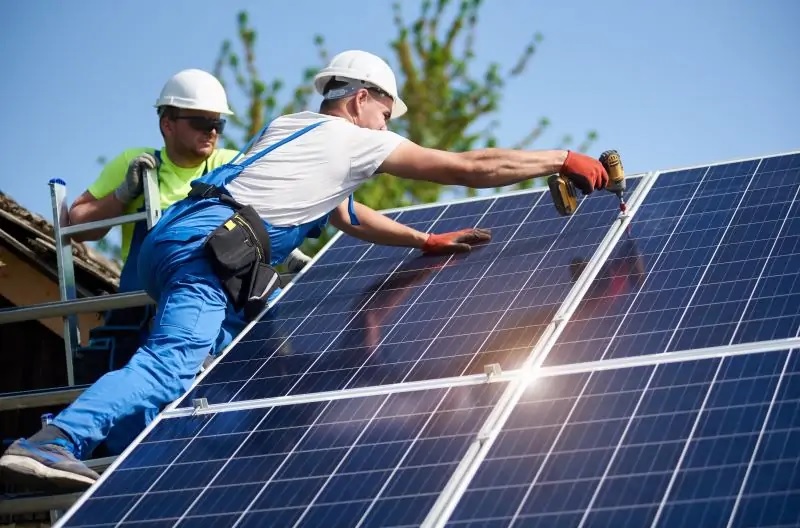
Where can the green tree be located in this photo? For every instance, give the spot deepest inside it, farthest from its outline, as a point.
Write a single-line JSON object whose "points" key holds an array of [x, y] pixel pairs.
{"points": [[448, 101]]}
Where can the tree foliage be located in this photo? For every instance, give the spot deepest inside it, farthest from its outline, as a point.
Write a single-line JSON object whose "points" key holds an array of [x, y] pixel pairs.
{"points": [[262, 96]]}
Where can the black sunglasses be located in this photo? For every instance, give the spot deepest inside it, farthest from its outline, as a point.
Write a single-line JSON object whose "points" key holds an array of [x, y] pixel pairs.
{"points": [[204, 124]]}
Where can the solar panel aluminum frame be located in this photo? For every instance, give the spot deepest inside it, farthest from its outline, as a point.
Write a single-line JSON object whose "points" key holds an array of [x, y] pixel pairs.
{"points": [[664, 358], [660, 358], [341, 394]]}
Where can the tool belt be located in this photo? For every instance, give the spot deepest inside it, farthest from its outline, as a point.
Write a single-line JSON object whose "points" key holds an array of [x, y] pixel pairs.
{"points": [[239, 251]]}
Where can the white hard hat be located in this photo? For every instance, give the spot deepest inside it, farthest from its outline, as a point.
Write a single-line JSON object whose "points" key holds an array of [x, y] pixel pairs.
{"points": [[194, 89], [365, 67]]}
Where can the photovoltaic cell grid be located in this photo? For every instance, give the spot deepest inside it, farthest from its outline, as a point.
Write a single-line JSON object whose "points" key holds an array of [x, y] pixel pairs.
{"points": [[370, 315], [711, 258], [707, 443], [378, 460]]}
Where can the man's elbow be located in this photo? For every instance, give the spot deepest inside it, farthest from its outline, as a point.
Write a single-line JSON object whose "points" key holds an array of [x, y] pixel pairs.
{"points": [[339, 219], [86, 236], [79, 214]]}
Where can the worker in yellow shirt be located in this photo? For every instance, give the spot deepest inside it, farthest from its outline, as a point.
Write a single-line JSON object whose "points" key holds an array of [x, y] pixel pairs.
{"points": [[191, 110]]}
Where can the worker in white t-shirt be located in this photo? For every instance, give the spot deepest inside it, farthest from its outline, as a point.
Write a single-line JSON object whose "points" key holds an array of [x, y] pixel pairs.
{"points": [[215, 248]]}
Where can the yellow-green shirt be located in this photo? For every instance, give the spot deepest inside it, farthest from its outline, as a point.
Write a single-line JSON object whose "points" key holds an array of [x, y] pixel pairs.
{"points": [[173, 182]]}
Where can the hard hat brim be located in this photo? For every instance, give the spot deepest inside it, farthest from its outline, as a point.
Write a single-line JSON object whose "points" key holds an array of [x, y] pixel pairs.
{"points": [[177, 103], [399, 108]]}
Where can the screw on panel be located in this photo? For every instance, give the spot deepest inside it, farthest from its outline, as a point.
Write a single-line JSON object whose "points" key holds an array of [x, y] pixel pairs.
{"points": [[482, 437], [492, 370], [199, 404]]}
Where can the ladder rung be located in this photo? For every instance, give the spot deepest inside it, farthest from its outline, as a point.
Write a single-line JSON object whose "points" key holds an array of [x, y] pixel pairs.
{"points": [[36, 504], [99, 464], [43, 503], [39, 398], [109, 222], [100, 303]]}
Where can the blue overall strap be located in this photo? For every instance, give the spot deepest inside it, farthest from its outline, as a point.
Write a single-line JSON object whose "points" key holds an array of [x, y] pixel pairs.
{"points": [[225, 174], [351, 210], [272, 147], [250, 143]]}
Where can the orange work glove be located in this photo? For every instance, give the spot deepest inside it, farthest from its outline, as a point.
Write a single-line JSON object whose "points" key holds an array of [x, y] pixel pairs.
{"points": [[455, 242], [587, 174]]}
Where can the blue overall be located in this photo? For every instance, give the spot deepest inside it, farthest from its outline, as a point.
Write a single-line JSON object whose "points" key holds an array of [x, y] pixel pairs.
{"points": [[126, 430], [191, 311]]}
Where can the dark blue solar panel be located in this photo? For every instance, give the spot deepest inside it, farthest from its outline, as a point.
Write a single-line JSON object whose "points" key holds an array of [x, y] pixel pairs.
{"points": [[710, 259], [382, 459], [690, 444], [389, 315]]}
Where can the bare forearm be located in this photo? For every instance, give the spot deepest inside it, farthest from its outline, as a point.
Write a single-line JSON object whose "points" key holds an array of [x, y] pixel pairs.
{"points": [[87, 209], [499, 167], [377, 228]]}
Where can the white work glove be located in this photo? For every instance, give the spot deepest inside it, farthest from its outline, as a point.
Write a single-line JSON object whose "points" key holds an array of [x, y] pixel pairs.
{"points": [[133, 184], [296, 261]]}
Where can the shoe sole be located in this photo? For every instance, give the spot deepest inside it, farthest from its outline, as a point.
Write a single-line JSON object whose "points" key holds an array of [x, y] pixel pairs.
{"points": [[28, 471]]}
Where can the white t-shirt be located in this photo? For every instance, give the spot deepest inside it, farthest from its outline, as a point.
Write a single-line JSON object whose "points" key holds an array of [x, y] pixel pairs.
{"points": [[309, 176]]}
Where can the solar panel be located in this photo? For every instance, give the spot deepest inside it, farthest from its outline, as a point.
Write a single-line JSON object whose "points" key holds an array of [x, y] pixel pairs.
{"points": [[323, 463], [695, 443], [645, 369], [709, 259]]}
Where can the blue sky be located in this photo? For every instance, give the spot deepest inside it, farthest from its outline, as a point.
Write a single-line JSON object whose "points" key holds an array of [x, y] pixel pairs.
{"points": [[678, 83]]}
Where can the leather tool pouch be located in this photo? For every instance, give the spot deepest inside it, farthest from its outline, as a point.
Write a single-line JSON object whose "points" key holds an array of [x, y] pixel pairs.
{"points": [[239, 252]]}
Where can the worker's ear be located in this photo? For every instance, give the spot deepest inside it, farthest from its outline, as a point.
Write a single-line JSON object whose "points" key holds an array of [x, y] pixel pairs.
{"points": [[167, 126], [359, 103]]}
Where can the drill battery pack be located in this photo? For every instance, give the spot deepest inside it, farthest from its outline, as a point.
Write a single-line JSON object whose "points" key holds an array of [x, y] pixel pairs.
{"points": [[563, 193]]}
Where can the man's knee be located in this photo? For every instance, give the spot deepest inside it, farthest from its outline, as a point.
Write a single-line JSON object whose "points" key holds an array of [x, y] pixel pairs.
{"points": [[170, 370]]}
